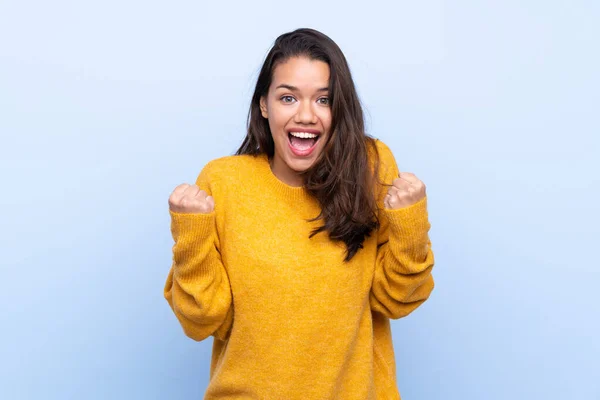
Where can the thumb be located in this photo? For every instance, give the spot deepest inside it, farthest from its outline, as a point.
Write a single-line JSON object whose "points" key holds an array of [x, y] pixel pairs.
{"points": [[210, 201]]}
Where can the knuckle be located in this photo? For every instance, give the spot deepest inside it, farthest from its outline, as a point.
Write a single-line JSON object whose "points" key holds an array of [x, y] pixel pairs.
{"points": [[174, 198]]}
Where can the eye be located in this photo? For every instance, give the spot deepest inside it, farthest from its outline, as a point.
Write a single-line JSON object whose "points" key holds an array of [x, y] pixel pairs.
{"points": [[285, 98], [326, 102]]}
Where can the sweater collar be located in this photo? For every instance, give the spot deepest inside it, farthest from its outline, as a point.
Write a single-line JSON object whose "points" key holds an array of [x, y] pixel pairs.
{"points": [[293, 192]]}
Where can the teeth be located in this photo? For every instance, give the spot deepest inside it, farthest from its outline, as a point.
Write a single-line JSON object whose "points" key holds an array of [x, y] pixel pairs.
{"points": [[304, 135]]}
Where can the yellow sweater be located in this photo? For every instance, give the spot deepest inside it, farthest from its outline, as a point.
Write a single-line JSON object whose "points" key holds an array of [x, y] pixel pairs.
{"points": [[289, 319]]}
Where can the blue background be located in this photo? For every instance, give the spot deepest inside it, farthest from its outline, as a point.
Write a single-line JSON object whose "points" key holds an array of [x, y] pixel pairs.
{"points": [[106, 106]]}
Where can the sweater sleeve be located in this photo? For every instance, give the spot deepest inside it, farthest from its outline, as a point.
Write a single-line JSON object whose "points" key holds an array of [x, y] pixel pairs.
{"points": [[402, 280], [197, 286]]}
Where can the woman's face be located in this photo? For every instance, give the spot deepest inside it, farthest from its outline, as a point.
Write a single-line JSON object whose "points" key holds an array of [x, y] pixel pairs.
{"points": [[297, 107]]}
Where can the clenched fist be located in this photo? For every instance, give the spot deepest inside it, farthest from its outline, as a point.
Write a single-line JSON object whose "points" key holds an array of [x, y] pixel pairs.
{"points": [[190, 199], [406, 190]]}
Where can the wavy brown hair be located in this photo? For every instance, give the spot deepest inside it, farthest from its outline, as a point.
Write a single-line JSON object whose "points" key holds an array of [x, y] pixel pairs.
{"points": [[341, 179]]}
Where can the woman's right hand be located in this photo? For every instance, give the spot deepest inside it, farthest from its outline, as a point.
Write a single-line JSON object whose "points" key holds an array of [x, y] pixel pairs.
{"points": [[190, 199]]}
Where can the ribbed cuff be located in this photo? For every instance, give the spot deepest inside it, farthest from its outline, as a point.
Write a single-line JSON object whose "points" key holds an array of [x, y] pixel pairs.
{"points": [[194, 236], [192, 228], [409, 225]]}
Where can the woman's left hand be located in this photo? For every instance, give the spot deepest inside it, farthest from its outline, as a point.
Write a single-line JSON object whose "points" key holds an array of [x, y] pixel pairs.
{"points": [[406, 190]]}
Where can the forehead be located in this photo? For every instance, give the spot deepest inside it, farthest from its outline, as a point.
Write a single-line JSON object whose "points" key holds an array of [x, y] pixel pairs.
{"points": [[302, 72]]}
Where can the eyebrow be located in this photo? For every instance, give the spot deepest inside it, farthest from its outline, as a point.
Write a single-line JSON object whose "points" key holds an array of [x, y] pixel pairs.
{"points": [[294, 88]]}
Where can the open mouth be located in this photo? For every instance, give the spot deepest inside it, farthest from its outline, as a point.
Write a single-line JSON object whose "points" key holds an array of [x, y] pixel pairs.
{"points": [[303, 140]]}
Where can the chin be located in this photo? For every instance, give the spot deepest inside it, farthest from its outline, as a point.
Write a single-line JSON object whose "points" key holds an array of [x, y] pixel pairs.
{"points": [[300, 165]]}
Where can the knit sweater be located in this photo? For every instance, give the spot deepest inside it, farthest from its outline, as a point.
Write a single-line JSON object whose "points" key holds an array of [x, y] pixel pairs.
{"points": [[289, 319]]}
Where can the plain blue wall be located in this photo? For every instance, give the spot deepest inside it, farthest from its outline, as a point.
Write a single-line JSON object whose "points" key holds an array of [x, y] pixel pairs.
{"points": [[106, 106]]}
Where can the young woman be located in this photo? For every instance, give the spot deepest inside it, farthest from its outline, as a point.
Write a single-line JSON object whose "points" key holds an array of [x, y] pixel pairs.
{"points": [[295, 252]]}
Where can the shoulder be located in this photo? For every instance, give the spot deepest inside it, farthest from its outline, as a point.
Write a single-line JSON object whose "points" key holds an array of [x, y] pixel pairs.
{"points": [[226, 164], [220, 171], [383, 150], [381, 155]]}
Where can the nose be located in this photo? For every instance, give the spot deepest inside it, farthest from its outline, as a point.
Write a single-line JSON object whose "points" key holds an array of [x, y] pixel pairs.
{"points": [[305, 114]]}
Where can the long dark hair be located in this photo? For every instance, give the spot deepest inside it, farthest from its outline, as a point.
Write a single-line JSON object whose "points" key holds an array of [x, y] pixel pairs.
{"points": [[341, 178]]}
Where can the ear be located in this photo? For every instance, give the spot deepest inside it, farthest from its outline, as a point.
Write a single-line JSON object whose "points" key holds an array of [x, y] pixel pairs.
{"points": [[263, 107]]}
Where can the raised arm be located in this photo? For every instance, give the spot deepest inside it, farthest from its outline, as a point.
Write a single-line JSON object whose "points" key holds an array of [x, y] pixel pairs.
{"points": [[402, 280], [197, 287]]}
